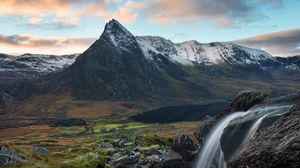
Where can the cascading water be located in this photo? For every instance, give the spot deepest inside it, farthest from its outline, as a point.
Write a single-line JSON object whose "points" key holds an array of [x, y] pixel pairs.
{"points": [[212, 155]]}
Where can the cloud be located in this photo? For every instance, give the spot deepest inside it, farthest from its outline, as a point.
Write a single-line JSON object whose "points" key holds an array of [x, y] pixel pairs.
{"points": [[283, 43], [221, 13], [34, 8], [54, 24], [54, 45], [63, 14], [225, 13], [124, 11]]}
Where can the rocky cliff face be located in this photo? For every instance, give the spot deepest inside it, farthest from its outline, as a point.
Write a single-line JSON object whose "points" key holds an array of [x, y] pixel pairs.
{"points": [[277, 145], [113, 68], [242, 102]]}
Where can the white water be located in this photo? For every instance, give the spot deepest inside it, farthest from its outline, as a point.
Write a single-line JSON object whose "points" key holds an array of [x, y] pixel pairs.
{"points": [[211, 155]]}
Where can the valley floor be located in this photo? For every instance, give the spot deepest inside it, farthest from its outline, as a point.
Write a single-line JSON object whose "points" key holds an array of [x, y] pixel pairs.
{"points": [[83, 146]]}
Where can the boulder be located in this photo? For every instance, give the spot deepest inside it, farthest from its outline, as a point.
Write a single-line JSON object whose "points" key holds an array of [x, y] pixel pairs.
{"points": [[8, 158], [41, 150], [124, 142], [149, 162], [173, 159], [203, 129], [105, 145], [185, 146], [126, 161], [244, 100]]}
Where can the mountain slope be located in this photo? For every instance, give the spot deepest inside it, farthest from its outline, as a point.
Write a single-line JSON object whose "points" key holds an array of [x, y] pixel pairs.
{"points": [[32, 65], [121, 74], [203, 53], [122, 67], [113, 68]]}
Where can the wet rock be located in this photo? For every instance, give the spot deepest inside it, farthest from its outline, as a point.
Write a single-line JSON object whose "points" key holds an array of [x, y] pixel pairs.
{"points": [[277, 145], [8, 158], [244, 100], [41, 150], [203, 129], [185, 146]]}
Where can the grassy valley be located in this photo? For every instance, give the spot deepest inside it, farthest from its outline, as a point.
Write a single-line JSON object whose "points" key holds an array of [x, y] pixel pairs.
{"points": [[79, 146]]}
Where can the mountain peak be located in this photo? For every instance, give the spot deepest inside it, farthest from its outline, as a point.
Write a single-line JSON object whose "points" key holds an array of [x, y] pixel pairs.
{"points": [[117, 34], [114, 24]]}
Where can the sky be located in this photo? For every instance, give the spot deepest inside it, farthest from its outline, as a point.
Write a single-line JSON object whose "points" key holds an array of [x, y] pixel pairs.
{"points": [[71, 26]]}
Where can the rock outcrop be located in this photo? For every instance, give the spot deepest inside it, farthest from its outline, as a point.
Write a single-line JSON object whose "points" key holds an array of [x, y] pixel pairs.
{"points": [[242, 102], [173, 159], [185, 147], [277, 145], [41, 150], [9, 158]]}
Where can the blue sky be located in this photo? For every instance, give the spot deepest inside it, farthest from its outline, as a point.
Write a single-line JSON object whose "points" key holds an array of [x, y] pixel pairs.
{"points": [[69, 26]]}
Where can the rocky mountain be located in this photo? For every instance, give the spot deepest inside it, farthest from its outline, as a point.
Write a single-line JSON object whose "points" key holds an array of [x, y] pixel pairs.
{"points": [[203, 53], [113, 68], [120, 66], [32, 65], [292, 62]]}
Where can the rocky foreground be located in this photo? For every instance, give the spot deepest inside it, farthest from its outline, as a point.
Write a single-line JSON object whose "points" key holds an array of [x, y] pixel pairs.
{"points": [[274, 145]]}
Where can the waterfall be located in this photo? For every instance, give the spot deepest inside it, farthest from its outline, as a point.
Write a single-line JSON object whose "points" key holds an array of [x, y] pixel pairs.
{"points": [[212, 155]]}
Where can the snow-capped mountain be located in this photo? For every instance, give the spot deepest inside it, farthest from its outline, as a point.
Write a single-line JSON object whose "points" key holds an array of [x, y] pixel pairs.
{"points": [[120, 66], [35, 64], [203, 53]]}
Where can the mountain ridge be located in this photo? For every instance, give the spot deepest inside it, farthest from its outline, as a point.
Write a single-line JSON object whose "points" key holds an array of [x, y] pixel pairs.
{"points": [[120, 66]]}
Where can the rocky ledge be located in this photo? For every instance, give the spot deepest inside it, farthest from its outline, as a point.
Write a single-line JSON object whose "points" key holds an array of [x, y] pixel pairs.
{"points": [[277, 145], [242, 102]]}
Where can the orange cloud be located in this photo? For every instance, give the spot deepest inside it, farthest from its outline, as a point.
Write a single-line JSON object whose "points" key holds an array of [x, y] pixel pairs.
{"points": [[55, 45], [34, 8], [68, 13]]}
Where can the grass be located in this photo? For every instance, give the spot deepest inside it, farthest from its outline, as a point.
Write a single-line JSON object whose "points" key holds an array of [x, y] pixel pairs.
{"points": [[87, 160], [60, 106], [70, 149]]}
